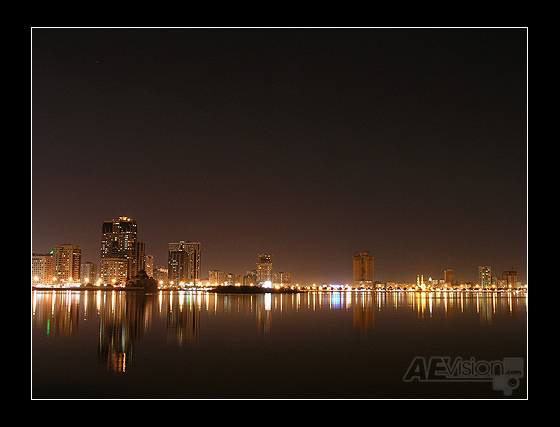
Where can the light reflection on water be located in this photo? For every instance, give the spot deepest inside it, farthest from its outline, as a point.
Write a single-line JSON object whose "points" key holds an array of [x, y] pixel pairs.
{"points": [[120, 321]]}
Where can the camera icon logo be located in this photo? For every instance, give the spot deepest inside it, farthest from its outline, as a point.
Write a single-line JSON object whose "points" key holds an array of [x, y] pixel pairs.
{"points": [[509, 379]]}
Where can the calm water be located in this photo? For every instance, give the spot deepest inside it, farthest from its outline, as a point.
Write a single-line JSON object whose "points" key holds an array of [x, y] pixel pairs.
{"points": [[106, 344]]}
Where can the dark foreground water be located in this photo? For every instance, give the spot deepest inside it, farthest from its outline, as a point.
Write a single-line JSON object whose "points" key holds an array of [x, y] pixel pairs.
{"points": [[107, 344]]}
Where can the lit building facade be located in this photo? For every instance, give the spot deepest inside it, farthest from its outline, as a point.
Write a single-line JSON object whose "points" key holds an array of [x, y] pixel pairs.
{"points": [[149, 265], [114, 271], [510, 278], [183, 262], [264, 270], [41, 269], [485, 276], [66, 263], [449, 277], [282, 279], [88, 274], [120, 247], [363, 269]]}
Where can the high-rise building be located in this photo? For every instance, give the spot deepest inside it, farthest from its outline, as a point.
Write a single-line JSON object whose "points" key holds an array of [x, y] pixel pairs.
{"points": [[264, 270], [449, 277], [363, 269], [119, 241], [184, 262], [485, 276], [41, 269], [140, 256], [66, 263]]}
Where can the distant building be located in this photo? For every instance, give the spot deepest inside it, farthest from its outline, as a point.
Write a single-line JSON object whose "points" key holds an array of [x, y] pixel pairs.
{"points": [[141, 280], [485, 276], [363, 269], [282, 279], [88, 274], [233, 279], [510, 277], [66, 263], [449, 277], [264, 270], [216, 277], [160, 275], [149, 265], [250, 278], [184, 262]]}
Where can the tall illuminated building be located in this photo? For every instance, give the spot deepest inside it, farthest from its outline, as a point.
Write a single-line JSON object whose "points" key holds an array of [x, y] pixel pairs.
{"points": [[485, 276], [66, 263], [449, 276], [363, 269], [264, 270], [183, 259], [122, 255], [42, 269]]}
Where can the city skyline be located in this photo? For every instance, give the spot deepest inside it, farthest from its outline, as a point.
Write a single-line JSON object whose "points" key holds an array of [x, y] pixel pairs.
{"points": [[308, 144], [123, 256]]}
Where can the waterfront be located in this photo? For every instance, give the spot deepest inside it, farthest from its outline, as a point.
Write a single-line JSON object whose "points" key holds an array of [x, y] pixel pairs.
{"points": [[195, 344]]}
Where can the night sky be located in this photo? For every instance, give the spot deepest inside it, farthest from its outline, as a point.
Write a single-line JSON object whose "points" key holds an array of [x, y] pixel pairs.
{"points": [[310, 144]]}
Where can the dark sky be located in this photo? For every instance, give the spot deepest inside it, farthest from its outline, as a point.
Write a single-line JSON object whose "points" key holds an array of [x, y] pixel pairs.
{"points": [[309, 144]]}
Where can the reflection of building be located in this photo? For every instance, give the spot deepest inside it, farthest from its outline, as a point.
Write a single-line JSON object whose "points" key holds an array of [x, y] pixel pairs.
{"points": [[264, 313], [119, 242], [57, 312], [66, 263], [363, 269], [184, 262], [264, 269], [123, 322], [364, 313], [183, 319]]}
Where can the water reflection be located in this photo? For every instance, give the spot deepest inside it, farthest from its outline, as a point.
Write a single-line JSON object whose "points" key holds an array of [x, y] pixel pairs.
{"points": [[124, 318], [123, 321]]}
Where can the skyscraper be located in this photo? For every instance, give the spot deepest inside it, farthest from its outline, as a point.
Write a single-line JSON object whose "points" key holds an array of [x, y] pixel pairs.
{"points": [[449, 276], [363, 269], [184, 262], [264, 270], [485, 276], [120, 250]]}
